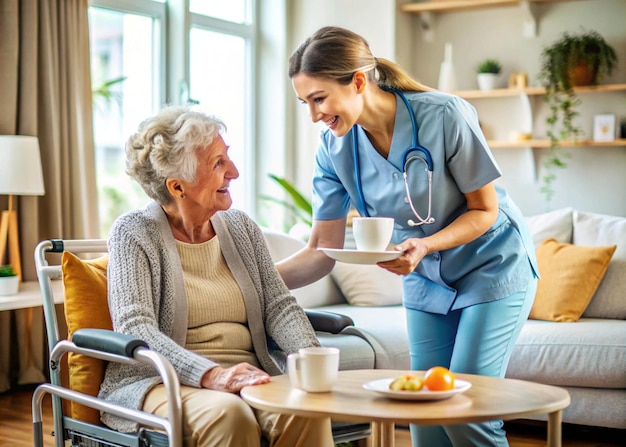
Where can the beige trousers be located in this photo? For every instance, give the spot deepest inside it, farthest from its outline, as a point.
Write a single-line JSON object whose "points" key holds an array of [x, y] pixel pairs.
{"points": [[215, 418]]}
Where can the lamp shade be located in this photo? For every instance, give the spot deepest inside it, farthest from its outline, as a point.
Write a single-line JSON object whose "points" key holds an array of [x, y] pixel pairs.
{"points": [[20, 166]]}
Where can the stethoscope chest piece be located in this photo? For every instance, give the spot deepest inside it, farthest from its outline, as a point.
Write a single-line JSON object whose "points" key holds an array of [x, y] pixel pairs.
{"points": [[410, 155]]}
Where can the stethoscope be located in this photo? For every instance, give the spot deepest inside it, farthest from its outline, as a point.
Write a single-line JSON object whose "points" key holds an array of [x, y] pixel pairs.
{"points": [[408, 157]]}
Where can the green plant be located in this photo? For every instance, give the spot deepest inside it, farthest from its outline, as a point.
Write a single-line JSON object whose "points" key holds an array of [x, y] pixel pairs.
{"points": [[7, 270], [489, 66], [105, 91], [299, 206], [562, 64]]}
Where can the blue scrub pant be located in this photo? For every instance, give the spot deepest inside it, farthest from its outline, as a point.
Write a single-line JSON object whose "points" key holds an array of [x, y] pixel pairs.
{"points": [[476, 340]]}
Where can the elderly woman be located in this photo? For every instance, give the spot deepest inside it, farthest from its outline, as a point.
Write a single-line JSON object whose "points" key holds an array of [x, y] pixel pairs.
{"points": [[195, 280]]}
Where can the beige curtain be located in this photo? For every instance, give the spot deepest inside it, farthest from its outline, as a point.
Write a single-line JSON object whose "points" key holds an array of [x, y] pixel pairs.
{"points": [[45, 91]]}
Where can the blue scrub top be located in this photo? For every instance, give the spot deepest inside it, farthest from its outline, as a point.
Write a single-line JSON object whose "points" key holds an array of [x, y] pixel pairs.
{"points": [[497, 264]]}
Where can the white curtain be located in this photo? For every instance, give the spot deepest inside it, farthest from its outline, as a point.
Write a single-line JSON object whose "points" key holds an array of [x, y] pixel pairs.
{"points": [[46, 92]]}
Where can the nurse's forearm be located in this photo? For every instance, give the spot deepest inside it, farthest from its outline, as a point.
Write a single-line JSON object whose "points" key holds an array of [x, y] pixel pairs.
{"points": [[304, 267], [481, 214], [310, 264], [466, 228]]}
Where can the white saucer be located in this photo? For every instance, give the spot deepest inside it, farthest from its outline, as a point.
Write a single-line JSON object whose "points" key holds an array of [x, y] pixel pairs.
{"points": [[381, 386], [360, 257]]}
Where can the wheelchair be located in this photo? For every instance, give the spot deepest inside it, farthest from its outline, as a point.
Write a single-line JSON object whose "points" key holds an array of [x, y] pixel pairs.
{"points": [[104, 345]]}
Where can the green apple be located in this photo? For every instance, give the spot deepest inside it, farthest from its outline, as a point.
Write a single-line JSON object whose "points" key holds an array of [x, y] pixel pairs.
{"points": [[407, 382]]}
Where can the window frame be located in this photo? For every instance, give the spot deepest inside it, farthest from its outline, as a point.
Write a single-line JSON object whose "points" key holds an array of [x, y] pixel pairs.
{"points": [[247, 31], [176, 22]]}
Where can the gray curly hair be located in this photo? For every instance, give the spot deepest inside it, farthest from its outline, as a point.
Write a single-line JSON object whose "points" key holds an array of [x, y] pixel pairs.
{"points": [[166, 146]]}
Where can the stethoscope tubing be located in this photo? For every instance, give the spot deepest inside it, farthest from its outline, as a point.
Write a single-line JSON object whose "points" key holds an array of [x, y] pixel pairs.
{"points": [[406, 159]]}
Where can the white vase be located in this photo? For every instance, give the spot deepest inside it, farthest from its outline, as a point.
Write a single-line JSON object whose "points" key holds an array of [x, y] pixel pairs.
{"points": [[487, 81], [447, 78], [9, 285]]}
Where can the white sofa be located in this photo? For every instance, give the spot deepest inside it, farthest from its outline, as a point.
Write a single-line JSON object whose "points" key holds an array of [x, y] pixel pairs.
{"points": [[587, 357]]}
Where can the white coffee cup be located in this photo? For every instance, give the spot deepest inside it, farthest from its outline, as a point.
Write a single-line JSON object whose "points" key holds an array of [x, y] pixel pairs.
{"points": [[372, 233], [313, 369]]}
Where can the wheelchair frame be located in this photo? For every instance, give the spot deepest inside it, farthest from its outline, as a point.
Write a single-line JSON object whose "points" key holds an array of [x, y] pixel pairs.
{"points": [[113, 346], [105, 345]]}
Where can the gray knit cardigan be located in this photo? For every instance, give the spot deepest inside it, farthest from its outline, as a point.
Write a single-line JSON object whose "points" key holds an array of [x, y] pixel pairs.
{"points": [[147, 300]]}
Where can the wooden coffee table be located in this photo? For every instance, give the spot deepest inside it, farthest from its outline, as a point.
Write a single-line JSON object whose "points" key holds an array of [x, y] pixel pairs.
{"points": [[489, 398]]}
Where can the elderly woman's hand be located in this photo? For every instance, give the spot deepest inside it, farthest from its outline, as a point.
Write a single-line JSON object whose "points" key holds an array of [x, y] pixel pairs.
{"points": [[233, 379]]}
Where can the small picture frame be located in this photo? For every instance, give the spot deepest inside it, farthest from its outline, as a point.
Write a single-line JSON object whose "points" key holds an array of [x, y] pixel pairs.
{"points": [[604, 127]]}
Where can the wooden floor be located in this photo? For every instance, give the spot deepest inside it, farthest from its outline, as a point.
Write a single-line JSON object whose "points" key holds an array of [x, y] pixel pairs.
{"points": [[16, 428]]}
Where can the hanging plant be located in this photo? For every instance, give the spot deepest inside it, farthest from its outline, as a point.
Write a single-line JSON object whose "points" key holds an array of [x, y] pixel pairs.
{"points": [[573, 60]]}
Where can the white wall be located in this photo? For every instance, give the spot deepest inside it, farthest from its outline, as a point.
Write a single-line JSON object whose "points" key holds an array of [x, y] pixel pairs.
{"points": [[595, 179]]}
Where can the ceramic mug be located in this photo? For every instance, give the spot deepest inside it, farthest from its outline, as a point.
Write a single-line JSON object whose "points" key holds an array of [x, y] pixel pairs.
{"points": [[372, 233], [313, 369]]}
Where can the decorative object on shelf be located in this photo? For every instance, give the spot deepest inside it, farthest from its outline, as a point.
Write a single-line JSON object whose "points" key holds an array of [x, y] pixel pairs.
{"points": [[488, 74], [518, 80], [21, 175], [447, 78], [9, 281], [573, 60], [604, 127]]}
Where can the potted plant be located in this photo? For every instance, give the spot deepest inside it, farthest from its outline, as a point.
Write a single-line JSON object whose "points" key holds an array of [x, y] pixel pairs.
{"points": [[298, 206], [488, 74], [9, 281], [573, 60]]}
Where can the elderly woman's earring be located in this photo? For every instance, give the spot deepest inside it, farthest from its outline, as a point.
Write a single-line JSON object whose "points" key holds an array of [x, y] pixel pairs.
{"points": [[182, 196]]}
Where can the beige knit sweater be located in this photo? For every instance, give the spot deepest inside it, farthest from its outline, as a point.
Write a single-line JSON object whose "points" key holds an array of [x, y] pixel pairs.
{"points": [[147, 300]]}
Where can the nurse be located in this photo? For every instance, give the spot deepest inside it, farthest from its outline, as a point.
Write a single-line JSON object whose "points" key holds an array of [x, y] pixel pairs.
{"points": [[468, 264]]}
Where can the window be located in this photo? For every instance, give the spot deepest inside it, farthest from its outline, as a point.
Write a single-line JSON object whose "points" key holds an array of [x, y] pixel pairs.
{"points": [[126, 88], [236, 11], [131, 54], [220, 70]]}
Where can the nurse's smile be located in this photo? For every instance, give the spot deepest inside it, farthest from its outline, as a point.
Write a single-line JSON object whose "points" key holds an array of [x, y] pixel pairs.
{"points": [[332, 123]]}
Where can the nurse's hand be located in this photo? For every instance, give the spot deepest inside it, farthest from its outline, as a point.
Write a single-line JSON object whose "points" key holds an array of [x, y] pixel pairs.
{"points": [[414, 250]]}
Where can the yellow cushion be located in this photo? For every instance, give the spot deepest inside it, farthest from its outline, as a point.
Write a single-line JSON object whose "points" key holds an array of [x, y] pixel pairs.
{"points": [[570, 275], [86, 306]]}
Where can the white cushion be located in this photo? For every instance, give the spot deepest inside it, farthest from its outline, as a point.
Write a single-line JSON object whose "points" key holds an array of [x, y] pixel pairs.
{"points": [[592, 229], [555, 224], [368, 285], [320, 293]]}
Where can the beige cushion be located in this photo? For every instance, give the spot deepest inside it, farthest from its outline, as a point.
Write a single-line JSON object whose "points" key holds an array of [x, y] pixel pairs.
{"points": [[570, 275], [86, 306], [368, 285]]}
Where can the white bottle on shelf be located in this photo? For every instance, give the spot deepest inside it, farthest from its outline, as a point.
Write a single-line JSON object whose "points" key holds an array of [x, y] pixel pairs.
{"points": [[447, 79]]}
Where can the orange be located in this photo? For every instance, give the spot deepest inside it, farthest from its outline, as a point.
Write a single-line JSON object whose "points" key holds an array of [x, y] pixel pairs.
{"points": [[439, 378]]}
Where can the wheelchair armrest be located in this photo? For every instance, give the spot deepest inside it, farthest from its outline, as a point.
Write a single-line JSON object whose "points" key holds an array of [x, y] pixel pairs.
{"points": [[325, 321], [107, 341]]}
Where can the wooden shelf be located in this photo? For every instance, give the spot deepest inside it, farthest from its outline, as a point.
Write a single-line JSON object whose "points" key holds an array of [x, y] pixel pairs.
{"points": [[539, 144], [508, 92], [499, 92], [459, 5], [425, 10]]}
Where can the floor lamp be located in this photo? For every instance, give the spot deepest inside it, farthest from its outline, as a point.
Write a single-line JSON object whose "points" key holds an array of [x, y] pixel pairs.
{"points": [[20, 175]]}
